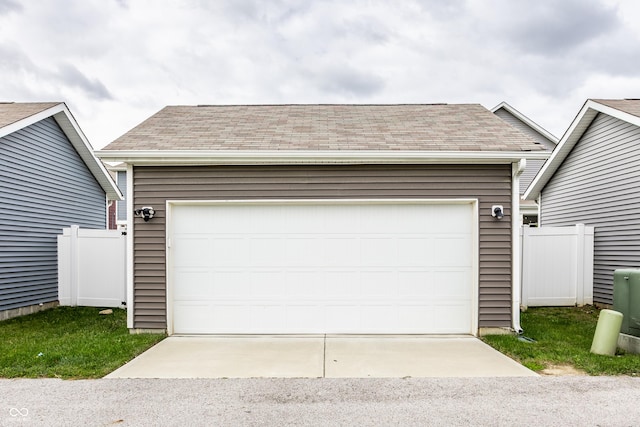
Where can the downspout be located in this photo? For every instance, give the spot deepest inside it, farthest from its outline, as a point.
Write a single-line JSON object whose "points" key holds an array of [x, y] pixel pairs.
{"points": [[130, 284], [539, 201], [516, 171]]}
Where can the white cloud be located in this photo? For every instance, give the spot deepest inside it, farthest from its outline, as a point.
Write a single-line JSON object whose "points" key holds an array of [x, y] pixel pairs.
{"points": [[117, 62]]}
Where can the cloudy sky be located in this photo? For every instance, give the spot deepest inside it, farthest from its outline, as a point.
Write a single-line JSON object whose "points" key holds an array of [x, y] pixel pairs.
{"points": [[116, 62]]}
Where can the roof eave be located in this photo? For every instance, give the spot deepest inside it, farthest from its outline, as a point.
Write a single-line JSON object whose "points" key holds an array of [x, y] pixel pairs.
{"points": [[213, 157], [570, 138]]}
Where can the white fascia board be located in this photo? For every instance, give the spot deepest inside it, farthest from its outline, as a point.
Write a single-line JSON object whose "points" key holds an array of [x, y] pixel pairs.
{"points": [[526, 120], [212, 157], [571, 137], [72, 130]]}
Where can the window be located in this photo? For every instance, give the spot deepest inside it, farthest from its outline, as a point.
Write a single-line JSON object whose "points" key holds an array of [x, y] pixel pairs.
{"points": [[530, 220]]}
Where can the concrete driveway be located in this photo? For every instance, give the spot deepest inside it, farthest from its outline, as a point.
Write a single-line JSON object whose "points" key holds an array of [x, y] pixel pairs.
{"points": [[317, 356]]}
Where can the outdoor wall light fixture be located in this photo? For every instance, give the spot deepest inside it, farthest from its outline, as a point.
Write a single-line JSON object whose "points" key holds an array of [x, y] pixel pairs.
{"points": [[497, 211], [145, 212]]}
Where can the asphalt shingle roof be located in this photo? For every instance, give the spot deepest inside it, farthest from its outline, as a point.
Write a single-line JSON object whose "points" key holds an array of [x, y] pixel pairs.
{"points": [[430, 127], [11, 112], [630, 106]]}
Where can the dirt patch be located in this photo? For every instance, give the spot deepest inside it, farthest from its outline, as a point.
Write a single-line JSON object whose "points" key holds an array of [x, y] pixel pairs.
{"points": [[559, 370]]}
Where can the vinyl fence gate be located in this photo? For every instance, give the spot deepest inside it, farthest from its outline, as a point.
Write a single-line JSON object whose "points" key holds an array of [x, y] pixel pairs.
{"points": [[557, 266], [91, 267]]}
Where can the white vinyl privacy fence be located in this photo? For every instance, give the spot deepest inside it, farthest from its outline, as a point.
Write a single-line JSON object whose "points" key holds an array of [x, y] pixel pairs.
{"points": [[91, 267], [557, 266]]}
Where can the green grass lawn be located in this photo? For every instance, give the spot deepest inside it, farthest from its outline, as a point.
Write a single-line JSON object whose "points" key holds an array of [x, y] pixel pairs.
{"points": [[563, 337], [77, 342], [68, 342]]}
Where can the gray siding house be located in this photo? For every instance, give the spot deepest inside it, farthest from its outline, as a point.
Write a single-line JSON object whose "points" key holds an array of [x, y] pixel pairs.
{"points": [[50, 179], [592, 178], [528, 208], [323, 219]]}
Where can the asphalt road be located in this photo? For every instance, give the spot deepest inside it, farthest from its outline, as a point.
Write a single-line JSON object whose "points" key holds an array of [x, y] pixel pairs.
{"points": [[539, 401]]}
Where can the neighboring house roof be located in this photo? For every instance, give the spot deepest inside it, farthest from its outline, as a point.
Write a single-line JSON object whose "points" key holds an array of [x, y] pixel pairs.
{"points": [[245, 132], [630, 106], [15, 116], [525, 120], [541, 136], [623, 109], [11, 113]]}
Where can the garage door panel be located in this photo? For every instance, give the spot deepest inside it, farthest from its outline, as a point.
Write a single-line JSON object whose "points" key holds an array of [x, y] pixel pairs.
{"points": [[304, 318], [450, 252], [332, 220], [377, 251], [305, 284], [264, 252], [303, 251], [195, 282], [341, 284], [375, 284], [457, 221], [370, 221], [415, 251], [451, 283], [456, 315], [342, 318], [378, 317], [325, 268], [268, 284], [190, 316], [340, 252], [192, 251], [225, 250], [237, 318], [415, 284], [229, 283]]}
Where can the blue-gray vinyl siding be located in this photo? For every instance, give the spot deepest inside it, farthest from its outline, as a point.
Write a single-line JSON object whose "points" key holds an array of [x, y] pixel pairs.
{"points": [[598, 184], [533, 166], [45, 186]]}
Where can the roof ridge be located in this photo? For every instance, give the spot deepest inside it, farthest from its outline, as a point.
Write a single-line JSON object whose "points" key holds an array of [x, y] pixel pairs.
{"points": [[323, 105]]}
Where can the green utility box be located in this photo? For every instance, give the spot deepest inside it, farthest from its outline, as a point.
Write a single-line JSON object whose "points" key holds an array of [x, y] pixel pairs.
{"points": [[626, 299]]}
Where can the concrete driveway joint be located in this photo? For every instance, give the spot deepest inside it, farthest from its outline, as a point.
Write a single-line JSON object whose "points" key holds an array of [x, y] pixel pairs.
{"points": [[317, 356]]}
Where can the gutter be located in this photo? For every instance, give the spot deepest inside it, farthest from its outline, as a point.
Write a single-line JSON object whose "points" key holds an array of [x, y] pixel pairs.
{"points": [[247, 157]]}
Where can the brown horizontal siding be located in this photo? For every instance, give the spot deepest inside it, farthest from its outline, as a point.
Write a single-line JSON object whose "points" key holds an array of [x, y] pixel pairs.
{"points": [[490, 184]]}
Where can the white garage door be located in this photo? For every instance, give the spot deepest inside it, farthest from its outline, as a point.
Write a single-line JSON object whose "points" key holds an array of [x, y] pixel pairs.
{"points": [[322, 267]]}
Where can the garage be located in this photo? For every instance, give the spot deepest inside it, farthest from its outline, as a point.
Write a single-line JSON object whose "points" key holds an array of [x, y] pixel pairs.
{"points": [[322, 266], [297, 219]]}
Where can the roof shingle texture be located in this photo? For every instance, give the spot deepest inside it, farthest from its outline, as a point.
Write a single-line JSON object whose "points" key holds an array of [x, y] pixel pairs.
{"points": [[12, 112], [437, 127], [630, 106]]}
